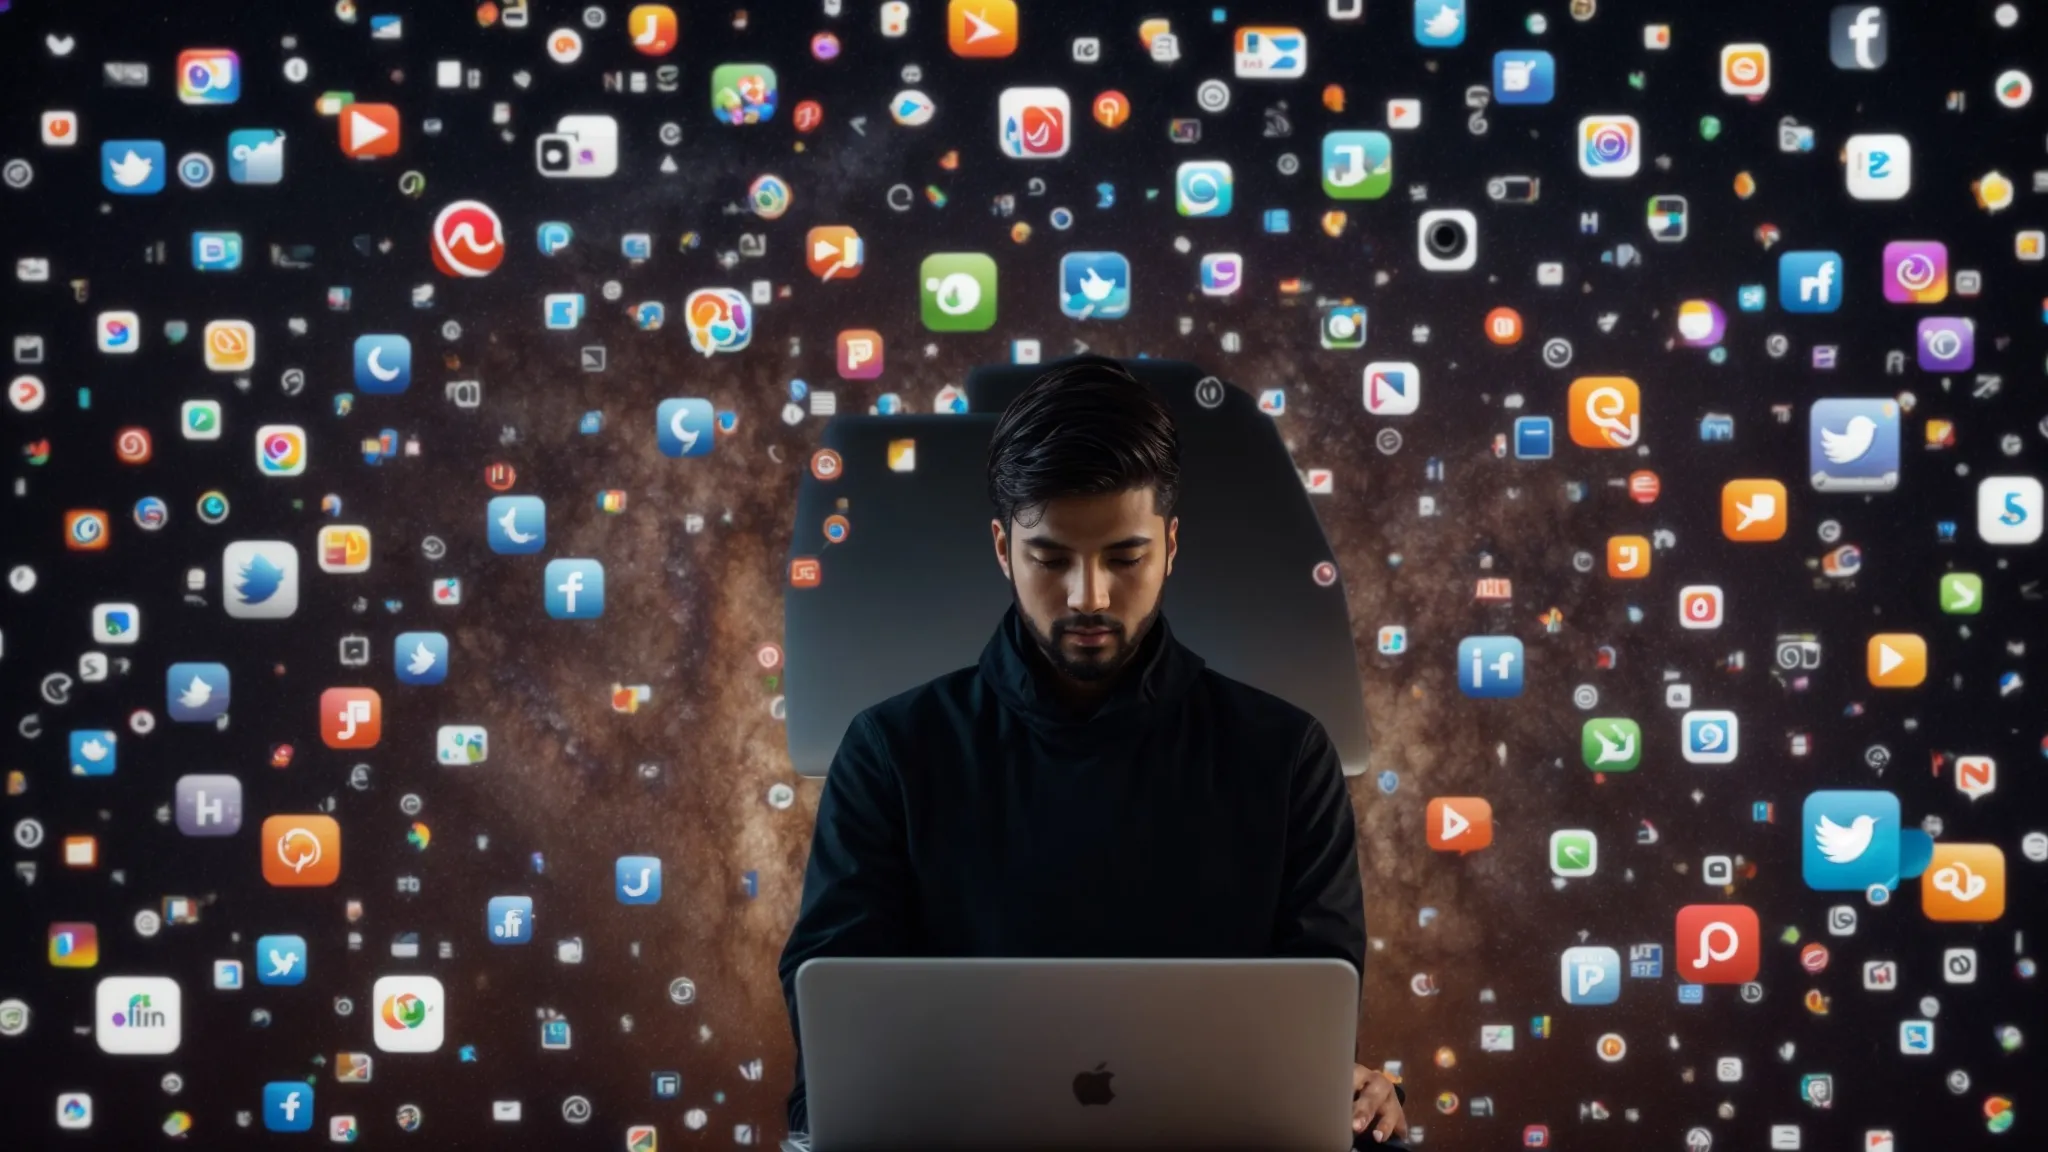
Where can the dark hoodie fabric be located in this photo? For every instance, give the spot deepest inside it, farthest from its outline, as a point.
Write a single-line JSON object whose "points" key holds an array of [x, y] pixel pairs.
{"points": [[976, 815]]}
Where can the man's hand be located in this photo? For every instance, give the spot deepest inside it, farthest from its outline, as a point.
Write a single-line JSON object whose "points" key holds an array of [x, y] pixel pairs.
{"points": [[1374, 1104]]}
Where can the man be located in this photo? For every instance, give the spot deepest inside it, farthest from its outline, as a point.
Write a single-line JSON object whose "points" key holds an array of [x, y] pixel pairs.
{"points": [[1090, 789]]}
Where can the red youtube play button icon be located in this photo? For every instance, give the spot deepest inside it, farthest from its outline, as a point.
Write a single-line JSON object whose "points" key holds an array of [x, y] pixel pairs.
{"points": [[369, 130]]}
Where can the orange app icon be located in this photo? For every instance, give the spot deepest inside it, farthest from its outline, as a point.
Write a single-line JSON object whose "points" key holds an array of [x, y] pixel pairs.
{"points": [[85, 530], [1112, 108], [301, 851], [1964, 882], [834, 251], [805, 572], [1504, 326], [230, 345], [351, 717], [1753, 511], [1897, 660], [982, 27], [1606, 412], [369, 130], [1459, 823], [653, 27], [344, 548], [1628, 557]]}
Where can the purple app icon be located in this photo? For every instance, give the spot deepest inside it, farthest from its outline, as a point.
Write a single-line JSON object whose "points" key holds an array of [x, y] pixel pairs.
{"points": [[209, 805], [1916, 271], [1947, 344]]}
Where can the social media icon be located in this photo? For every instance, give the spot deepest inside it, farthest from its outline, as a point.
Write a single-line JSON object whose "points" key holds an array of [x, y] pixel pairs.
{"points": [[1202, 188], [1606, 412], [1392, 388], [256, 156], [216, 251], [197, 693], [230, 345], [652, 28], [119, 332], [1853, 445], [1095, 285], [1222, 273], [1964, 883], [1458, 823], [1439, 23], [516, 525], [2009, 509], [1753, 510], [383, 364], [260, 579], [369, 130], [209, 76], [1033, 123], [301, 851], [981, 29], [1574, 852], [132, 167], [1745, 69], [351, 717], [1490, 666], [209, 805], [574, 589], [469, 239], [957, 291], [1946, 344], [74, 944], [410, 1014], [1610, 147], [281, 960], [685, 426], [138, 1015], [1357, 165], [1880, 166], [1711, 737], [1590, 975], [1897, 660], [1611, 744], [834, 252], [509, 919], [1717, 944], [638, 879], [1524, 77], [860, 353], [1628, 557], [1701, 323], [1858, 37], [1810, 281], [1700, 606], [1850, 840], [420, 657], [1916, 271], [580, 148]]}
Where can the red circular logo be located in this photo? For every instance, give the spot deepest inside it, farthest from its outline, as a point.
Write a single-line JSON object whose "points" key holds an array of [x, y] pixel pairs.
{"points": [[468, 239], [809, 114]]}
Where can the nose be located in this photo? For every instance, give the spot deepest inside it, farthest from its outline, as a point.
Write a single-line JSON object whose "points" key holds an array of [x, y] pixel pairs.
{"points": [[1092, 594]]}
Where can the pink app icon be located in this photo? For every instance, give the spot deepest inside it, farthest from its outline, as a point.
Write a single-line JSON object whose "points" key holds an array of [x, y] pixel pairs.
{"points": [[1916, 271], [860, 354]]}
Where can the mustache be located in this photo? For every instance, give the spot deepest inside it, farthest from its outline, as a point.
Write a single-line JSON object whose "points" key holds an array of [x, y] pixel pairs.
{"points": [[1086, 624]]}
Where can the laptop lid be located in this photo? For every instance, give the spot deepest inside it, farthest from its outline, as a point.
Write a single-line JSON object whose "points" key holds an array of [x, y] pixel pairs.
{"points": [[1078, 1053]]}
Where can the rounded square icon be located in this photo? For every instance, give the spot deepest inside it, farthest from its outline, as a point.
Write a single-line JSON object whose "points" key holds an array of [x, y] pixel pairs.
{"points": [[1574, 852], [230, 345], [74, 944], [420, 657], [1490, 666], [1034, 123], [1458, 823], [1269, 52], [1628, 557], [684, 427], [119, 333], [138, 1015], [1880, 166], [1700, 606], [981, 28], [132, 167], [1203, 188], [281, 450], [1896, 660], [1590, 975], [957, 291], [1357, 165], [369, 130], [1962, 593], [1857, 37], [1447, 240], [1439, 23], [301, 851], [1611, 744], [410, 1013], [200, 419], [74, 1110], [1745, 69], [1916, 271], [637, 879], [518, 525], [653, 28], [1810, 281], [1853, 445], [1717, 943], [351, 717], [209, 76], [1964, 883], [114, 623], [281, 960], [1753, 511], [1711, 737], [1095, 285], [383, 363], [60, 129], [1850, 840], [209, 805], [1610, 147], [573, 589], [1524, 76], [260, 579], [1392, 387], [1606, 412], [2009, 509], [197, 693]]}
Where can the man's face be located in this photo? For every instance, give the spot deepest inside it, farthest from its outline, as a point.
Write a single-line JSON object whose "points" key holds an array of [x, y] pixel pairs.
{"points": [[1088, 576]]}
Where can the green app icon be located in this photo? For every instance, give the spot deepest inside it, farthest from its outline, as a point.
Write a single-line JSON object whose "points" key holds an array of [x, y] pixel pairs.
{"points": [[1357, 165], [1611, 744], [1574, 852], [958, 291], [1962, 593], [202, 419], [744, 93]]}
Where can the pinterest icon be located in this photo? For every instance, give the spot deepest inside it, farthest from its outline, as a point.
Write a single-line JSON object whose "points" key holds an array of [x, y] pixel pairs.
{"points": [[468, 239]]}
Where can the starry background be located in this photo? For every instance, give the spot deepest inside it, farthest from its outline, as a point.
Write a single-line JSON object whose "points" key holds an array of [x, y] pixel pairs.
{"points": [[686, 612]]}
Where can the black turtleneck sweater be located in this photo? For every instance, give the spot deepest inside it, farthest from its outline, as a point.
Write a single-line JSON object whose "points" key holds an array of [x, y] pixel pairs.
{"points": [[1189, 816]]}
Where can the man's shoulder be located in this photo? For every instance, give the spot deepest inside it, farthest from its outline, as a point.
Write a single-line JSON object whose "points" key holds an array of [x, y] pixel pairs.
{"points": [[912, 708], [1242, 707]]}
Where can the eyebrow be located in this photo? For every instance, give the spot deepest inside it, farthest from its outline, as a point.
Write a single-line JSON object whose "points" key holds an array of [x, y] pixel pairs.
{"points": [[1050, 543]]}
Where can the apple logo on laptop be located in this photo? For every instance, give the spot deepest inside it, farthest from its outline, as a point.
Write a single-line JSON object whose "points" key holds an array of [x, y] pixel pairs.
{"points": [[1093, 1087]]}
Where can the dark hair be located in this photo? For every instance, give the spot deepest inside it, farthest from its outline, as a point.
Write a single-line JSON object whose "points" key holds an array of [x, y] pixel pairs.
{"points": [[1083, 428]]}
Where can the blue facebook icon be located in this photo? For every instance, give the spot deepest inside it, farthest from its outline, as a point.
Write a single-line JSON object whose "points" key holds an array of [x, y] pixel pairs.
{"points": [[1810, 281], [288, 1106], [1490, 666], [682, 427], [575, 589], [638, 879], [509, 919], [518, 525], [383, 363]]}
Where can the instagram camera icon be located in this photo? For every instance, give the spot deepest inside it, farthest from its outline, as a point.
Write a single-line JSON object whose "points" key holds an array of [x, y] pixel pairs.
{"points": [[860, 354], [1609, 146], [1916, 272]]}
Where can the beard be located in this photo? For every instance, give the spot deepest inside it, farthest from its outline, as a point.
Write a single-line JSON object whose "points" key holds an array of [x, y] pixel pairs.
{"points": [[1087, 665]]}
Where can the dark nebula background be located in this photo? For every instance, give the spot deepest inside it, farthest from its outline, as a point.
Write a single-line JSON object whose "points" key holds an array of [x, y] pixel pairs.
{"points": [[686, 613]]}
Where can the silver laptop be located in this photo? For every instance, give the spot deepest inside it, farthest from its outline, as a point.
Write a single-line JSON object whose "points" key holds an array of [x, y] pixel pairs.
{"points": [[1105, 1054]]}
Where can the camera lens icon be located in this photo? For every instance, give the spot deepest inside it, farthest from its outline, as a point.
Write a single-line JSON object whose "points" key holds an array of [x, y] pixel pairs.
{"points": [[1447, 240]]}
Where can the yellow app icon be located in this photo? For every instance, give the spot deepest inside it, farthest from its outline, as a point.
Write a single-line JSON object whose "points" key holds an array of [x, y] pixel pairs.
{"points": [[230, 345], [1753, 510], [1606, 412], [1628, 557], [1897, 660], [902, 455], [1964, 883]]}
